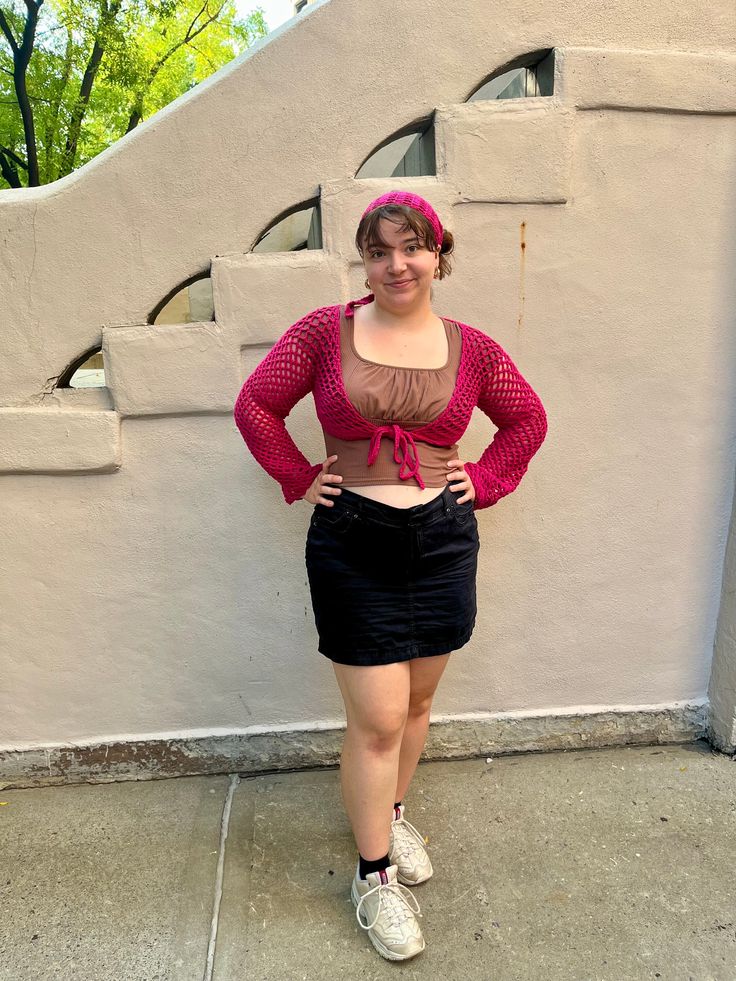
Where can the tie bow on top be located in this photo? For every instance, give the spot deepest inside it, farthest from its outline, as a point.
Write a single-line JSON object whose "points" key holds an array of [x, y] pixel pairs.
{"points": [[405, 451]]}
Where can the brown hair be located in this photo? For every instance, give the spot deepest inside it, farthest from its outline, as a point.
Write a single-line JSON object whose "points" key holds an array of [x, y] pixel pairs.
{"points": [[368, 232]]}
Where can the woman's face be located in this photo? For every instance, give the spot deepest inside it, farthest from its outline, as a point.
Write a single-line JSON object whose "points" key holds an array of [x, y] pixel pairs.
{"points": [[404, 260]]}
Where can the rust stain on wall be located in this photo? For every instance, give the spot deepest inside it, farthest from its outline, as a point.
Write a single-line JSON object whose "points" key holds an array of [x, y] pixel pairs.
{"points": [[522, 271]]}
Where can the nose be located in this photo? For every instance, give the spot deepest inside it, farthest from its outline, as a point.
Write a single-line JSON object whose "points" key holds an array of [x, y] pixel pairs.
{"points": [[397, 263]]}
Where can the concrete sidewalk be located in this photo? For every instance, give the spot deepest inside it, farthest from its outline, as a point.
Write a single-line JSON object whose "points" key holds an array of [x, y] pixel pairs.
{"points": [[574, 866]]}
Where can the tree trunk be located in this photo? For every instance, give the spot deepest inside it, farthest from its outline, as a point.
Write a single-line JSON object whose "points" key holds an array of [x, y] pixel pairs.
{"points": [[21, 56], [85, 90]]}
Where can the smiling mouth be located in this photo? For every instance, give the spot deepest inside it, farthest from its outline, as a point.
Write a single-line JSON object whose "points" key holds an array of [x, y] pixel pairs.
{"points": [[400, 282]]}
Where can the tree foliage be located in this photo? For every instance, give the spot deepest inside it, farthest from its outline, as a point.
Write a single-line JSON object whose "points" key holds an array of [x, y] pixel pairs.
{"points": [[76, 75]]}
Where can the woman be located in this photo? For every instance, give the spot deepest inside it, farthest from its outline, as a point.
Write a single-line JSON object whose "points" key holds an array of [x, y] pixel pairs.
{"points": [[391, 552]]}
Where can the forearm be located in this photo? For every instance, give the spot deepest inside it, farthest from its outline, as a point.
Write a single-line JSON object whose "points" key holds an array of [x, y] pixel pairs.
{"points": [[516, 409], [269, 441]]}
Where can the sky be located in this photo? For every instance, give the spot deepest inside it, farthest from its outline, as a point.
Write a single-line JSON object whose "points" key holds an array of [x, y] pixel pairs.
{"points": [[274, 11]]}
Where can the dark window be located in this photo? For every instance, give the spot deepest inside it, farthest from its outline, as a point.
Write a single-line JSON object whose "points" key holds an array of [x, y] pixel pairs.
{"points": [[408, 153], [529, 76], [189, 302], [86, 371], [298, 228]]}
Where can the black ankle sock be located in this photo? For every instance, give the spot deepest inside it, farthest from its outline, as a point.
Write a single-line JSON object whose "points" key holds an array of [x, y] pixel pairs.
{"points": [[374, 866], [367, 866]]}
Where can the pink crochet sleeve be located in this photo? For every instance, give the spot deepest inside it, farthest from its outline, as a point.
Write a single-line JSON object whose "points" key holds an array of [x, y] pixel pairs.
{"points": [[516, 410], [268, 395]]}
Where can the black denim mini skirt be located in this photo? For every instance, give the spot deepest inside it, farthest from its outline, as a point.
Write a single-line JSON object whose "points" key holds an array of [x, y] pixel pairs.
{"points": [[391, 584]]}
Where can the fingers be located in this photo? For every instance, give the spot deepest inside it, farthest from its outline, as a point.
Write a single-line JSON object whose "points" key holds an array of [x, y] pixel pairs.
{"points": [[461, 482], [326, 489], [463, 500], [456, 467], [326, 479]]}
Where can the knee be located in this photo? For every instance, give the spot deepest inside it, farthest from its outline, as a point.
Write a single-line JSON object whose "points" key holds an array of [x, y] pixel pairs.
{"points": [[420, 703], [382, 733]]}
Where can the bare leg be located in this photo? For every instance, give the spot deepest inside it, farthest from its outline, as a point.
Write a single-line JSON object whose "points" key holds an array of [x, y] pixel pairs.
{"points": [[376, 702], [425, 675]]}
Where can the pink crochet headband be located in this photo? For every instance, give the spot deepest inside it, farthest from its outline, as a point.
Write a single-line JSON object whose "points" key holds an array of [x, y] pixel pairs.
{"points": [[413, 201]]}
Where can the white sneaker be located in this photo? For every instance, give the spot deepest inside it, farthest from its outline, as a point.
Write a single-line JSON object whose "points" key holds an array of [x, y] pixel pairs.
{"points": [[383, 907], [407, 852]]}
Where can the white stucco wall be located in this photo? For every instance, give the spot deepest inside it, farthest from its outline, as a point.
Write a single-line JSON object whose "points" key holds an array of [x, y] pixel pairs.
{"points": [[153, 578]]}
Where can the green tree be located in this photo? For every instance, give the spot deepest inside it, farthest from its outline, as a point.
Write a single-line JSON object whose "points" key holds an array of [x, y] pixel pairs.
{"points": [[75, 75]]}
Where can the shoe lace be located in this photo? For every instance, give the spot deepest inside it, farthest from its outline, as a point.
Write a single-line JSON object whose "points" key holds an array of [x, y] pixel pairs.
{"points": [[408, 840], [392, 900]]}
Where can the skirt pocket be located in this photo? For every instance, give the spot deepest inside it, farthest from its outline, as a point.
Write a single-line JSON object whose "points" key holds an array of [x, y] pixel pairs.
{"points": [[336, 519]]}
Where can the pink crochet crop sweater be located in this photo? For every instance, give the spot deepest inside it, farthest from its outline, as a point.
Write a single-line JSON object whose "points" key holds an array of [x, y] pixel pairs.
{"points": [[306, 358]]}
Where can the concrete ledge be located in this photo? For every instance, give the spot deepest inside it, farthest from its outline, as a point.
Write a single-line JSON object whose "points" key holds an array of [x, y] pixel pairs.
{"points": [[171, 369], [256, 751], [258, 295], [81, 399], [509, 150], [55, 440], [599, 78], [344, 200]]}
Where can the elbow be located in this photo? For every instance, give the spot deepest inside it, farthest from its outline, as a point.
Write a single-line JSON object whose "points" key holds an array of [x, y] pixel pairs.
{"points": [[243, 408], [543, 423], [238, 409], [536, 422], [540, 423]]}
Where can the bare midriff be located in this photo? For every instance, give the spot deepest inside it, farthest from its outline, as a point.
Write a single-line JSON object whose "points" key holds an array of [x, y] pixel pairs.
{"points": [[395, 495]]}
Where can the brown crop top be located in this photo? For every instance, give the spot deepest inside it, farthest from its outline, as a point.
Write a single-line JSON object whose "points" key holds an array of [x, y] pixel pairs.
{"points": [[387, 395]]}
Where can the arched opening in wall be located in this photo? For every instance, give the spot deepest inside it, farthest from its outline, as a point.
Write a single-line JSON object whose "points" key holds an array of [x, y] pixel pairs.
{"points": [[299, 227], [190, 302], [527, 76], [86, 371], [409, 152]]}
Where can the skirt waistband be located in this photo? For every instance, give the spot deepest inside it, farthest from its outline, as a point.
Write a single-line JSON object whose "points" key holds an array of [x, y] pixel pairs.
{"points": [[411, 517]]}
